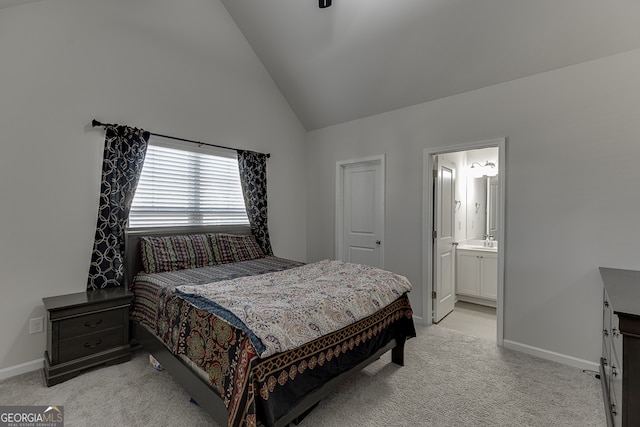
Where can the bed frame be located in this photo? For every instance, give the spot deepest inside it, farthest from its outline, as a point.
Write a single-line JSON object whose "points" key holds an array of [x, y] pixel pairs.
{"points": [[199, 389]]}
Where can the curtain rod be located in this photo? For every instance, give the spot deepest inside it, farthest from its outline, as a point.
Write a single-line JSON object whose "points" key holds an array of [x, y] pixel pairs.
{"points": [[96, 123]]}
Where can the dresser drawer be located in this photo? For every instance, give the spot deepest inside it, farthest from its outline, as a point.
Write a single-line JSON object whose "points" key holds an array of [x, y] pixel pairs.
{"points": [[606, 331], [89, 344], [91, 323], [615, 402], [616, 340]]}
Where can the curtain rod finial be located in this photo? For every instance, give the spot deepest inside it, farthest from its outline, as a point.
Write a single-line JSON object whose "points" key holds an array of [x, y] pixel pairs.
{"points": [[95, 123]]}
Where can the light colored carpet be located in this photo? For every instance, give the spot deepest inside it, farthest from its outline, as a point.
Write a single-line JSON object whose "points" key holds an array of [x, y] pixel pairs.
{"points": [[449, 379]]}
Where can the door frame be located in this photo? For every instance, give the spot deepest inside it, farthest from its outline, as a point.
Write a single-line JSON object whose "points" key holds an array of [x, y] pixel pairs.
{"points": [[341, 167], [427, 215]]}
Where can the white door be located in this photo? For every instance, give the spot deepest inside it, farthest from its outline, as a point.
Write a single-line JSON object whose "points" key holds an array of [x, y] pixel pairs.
{"points": [[360, 212], [443, 239]]}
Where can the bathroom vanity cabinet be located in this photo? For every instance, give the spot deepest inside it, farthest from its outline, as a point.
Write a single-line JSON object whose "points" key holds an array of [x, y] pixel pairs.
{"points": [[477, 276], [620, 361]]}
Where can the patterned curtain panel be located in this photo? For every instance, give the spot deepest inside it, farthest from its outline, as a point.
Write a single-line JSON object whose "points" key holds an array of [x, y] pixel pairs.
{"points": [[124, 151], [253, 175]]}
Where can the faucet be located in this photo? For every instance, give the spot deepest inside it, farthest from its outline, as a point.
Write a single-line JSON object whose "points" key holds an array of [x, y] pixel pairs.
{"points": [[488, 240]]}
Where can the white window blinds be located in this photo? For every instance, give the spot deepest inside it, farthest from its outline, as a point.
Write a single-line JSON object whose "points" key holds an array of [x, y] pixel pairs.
{"points": [[182, 186]]}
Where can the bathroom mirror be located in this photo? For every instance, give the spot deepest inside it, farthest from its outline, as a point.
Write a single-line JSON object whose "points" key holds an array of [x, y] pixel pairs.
{"points": [[492, 207], [482, 207]]}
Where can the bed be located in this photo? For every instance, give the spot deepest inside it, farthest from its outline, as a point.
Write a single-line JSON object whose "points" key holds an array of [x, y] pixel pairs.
{"points": [[218, 360]]}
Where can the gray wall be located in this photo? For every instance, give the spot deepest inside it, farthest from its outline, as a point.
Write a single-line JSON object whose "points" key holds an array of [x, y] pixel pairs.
{"points": [[179, 68], [572, 171]]}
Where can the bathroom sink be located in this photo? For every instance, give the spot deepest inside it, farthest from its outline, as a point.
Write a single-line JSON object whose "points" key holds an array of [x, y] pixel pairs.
{"points": [[482, 245]]}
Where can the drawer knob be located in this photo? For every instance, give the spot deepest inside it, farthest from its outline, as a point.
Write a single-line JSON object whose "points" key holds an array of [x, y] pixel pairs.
{"points": [[614, 409], [92, 325], [606, 333], [87, 345]]}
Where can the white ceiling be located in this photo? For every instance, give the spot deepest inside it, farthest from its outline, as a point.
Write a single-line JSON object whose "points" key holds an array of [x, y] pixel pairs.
{"points": [[362, 57], [8, 3]]}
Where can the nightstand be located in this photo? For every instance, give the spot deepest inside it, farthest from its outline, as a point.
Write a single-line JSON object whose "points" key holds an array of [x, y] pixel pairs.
{"points": [[86, 329]]}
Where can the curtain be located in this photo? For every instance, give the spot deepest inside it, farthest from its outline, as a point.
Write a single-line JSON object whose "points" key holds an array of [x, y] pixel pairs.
{"points": [[124, 151], [253, 175]]}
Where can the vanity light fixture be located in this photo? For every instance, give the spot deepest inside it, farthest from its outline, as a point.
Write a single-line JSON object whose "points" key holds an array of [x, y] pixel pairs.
{"points": [[490, 169], [476, 170]]}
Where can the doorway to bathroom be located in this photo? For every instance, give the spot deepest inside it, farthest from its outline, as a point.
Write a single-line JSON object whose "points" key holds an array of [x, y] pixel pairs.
{"points": [[463, 237]]}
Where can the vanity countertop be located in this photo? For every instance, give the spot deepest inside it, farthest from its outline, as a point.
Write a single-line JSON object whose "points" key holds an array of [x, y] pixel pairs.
{"points": [[465, 247], [479, 245]]}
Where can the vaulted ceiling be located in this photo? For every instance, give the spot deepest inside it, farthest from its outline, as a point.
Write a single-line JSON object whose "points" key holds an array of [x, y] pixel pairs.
{"points": [[362, 57]]}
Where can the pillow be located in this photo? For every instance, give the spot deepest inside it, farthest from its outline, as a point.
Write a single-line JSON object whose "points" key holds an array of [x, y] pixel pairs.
{"points": [[234, 247], [169, 253]]}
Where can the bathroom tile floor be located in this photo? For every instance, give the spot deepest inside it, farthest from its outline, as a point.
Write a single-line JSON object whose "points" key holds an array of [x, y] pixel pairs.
{"points": [[472, 319]]}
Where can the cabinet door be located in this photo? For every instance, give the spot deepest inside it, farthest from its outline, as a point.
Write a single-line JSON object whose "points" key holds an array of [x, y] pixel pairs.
{"points": [[489, 276], [468, 270]]}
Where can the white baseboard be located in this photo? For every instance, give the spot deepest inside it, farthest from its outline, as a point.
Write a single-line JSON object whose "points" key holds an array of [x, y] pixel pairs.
{"points": [[22, 368], [551, 355], [419, 320]]}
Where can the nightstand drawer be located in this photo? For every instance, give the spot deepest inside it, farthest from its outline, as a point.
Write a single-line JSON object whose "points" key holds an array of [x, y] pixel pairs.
{"points": [[87, 345], [91, 323], [84, 330]]}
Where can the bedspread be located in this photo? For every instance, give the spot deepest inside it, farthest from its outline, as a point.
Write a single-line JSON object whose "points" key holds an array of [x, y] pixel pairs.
{"points": [[286, 309], [150, 289], [253, 388]]}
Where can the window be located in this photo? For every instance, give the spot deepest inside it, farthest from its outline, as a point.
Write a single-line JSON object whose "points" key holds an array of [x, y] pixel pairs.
{"points": [[187, 185]]}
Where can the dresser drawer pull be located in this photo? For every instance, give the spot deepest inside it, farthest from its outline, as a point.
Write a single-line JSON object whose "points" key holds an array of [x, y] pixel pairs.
{"points": [[606, 333], [614, 371], [616, 332], [92, 325], [614, 409], [87, 345]]}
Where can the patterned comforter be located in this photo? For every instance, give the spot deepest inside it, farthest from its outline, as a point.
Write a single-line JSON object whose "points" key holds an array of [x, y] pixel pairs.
{"points": [[252, 387], [286, 309]]}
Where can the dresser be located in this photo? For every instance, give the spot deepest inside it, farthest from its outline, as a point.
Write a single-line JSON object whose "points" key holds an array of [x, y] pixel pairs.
{"points": [[86, 329], [620, 361]]}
